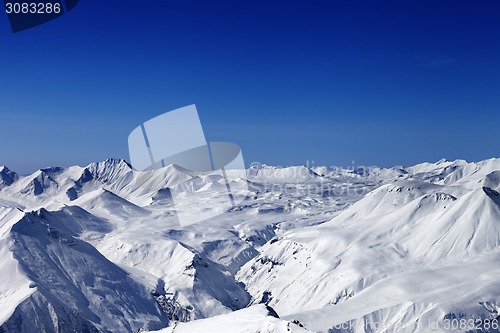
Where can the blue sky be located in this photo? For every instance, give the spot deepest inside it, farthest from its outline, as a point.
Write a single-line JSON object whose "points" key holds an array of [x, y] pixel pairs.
{"points": [[374, 82]]}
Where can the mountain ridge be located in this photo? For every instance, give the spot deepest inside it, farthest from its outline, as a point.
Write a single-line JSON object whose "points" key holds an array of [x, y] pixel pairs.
{"points": [[323, 246]]}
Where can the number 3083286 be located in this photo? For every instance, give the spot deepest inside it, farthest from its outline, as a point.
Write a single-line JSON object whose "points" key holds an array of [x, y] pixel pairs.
{"points": [[33, 8]]}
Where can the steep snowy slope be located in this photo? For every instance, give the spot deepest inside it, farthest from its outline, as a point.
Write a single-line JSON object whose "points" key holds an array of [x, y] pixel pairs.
{"points": [[256, 319], [72, 287], [7, 177], [100, 248], [15, 286], [411, 247]]}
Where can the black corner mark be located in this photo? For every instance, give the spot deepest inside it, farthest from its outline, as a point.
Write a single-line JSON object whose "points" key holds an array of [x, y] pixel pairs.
{"points": [[26, 14], [70, 4]]}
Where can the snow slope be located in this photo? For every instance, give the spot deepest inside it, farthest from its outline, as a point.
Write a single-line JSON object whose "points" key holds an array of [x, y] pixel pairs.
{"points": [[256, 319], [411, 247], [71, 285], [99, 248]]}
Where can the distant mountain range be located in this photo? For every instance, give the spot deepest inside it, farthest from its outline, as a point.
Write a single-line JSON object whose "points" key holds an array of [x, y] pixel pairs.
{"points": [[416, 249]]}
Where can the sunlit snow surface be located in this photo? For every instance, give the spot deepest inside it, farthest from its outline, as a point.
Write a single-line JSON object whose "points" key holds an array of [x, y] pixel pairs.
{"points": [[329, 250]]}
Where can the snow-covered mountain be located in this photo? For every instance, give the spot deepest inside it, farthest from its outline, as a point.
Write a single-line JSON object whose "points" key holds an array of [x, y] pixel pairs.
{"points": [[259, 318], [99, 249], [7, 177]]}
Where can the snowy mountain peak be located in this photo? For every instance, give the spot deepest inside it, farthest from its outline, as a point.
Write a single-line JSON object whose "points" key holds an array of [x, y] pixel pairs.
{"points": [[265, 173], [100, 249], [115, 173], [7, 177], [51, 170], [493, 180], [114, 162], [109, 167]]}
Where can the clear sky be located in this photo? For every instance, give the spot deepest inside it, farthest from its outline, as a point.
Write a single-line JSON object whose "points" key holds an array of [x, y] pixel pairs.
{"points": [[375, 82]]}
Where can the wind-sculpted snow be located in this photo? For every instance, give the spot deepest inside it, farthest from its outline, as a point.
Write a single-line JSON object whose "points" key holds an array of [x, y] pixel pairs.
{"points": [[409, 256], [72, 286], [99, 248], [256, 319]]}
